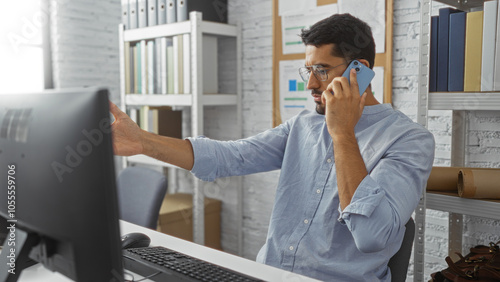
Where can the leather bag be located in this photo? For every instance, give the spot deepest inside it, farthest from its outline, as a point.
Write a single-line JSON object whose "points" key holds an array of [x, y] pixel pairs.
{"points": [[481, 264]]}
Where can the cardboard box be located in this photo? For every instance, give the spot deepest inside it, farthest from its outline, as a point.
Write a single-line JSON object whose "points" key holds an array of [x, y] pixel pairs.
{"points": [[176, 218]]}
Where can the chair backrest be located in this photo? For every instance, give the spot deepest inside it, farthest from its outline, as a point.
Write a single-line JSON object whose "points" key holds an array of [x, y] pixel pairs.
{"points": [[398, 264], [140, 195]]}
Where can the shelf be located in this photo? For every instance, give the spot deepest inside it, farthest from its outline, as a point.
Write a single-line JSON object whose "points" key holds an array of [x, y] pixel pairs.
{"points": [[451, 202], [179, 100], [464, 5], [464, 101], [166, 30], [143, 159]]}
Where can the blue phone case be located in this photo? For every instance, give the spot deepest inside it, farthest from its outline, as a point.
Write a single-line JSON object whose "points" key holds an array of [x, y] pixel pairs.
{"points": [[364, 75]]}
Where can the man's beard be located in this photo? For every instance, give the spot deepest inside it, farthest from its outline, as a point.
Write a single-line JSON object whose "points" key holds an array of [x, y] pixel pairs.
{"points": [[320, 108]]}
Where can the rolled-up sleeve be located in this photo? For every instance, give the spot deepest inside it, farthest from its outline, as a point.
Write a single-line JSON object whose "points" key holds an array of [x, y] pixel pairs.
{"points": [[385, 199], [262, 152]]}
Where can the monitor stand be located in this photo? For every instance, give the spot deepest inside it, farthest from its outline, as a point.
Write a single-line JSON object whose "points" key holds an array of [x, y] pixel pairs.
{"points": [[13, 263]]}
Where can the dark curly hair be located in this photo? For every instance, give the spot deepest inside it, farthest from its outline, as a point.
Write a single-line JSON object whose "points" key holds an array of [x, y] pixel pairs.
{"points": [[351, 37]]}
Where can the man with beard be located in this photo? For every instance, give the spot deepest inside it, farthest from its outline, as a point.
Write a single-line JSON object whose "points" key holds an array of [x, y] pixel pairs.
{"points": [[352, 172]]}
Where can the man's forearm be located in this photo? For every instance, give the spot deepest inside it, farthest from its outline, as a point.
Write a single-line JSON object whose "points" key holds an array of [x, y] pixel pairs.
{"points": [[351, 169], [178, 152]]}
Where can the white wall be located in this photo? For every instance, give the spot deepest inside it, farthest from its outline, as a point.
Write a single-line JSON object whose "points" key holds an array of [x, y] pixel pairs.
{"points": [[85, 45]]}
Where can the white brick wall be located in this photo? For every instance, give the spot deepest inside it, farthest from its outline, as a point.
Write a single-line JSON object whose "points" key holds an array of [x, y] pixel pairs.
{"points": [[84, 37]]}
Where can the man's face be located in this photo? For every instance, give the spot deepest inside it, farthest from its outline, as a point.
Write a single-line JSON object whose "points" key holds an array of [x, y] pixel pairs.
{"points": [[321, 56]]}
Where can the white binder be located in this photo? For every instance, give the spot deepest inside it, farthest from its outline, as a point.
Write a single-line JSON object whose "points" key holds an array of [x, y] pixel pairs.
{"points": [[163, 66], [133, 20], [142, 14], [152, 13], [182, 14], [171, 11], [125, 14], [162, 11], [151, 67], [496, 73], [186, 53], [489, 36]]}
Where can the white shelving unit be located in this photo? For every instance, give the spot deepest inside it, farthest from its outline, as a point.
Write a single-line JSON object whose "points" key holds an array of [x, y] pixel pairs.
{"points": [[196, 100], [459, 103]]}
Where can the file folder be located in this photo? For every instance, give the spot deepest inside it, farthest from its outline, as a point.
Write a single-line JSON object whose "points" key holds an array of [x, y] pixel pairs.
{"points": [[171, 11], [162, 11], [133, 20], [152, 13], [142, 13], [182, 13], [456, 52], [489, 41], [125, 14]]}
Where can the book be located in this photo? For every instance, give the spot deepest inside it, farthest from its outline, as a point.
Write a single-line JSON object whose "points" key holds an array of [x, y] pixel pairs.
{"points": [[473, 51], [496, 72], [143, 73], [152, 13], [157, 62], [144, 118], [125, 14], [489, 40], [162, 11], [170, 66], [443, 47], [132, 74], [151, 68], [142, 15], [182, 12], [456, 52], [137, 70], [171, 11], [433, 54], [162, 85], [178, 65], [126, 49], [186, 53], [133, 20]]}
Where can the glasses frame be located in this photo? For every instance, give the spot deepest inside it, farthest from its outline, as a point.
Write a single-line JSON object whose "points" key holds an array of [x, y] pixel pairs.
{"points": [[314, 70]]}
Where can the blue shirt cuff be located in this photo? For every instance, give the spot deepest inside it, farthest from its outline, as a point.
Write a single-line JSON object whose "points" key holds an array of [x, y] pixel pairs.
{"points": [[204, 153], [364, 201]]}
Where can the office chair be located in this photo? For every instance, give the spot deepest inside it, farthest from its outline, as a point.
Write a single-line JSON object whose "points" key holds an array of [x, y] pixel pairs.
{"points": [[398, 264], [140, 195]]}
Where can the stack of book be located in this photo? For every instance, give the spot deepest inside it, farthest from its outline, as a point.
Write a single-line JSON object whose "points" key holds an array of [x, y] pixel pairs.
{"points": [[465, 50], [162, 66], [142, 13]]}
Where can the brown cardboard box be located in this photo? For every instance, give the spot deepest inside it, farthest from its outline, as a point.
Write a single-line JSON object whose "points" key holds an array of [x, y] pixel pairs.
{"points": [[176, 218]]}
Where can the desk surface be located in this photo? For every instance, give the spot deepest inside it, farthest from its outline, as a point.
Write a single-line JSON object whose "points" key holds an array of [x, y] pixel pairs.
{"points": [[245, 266]]}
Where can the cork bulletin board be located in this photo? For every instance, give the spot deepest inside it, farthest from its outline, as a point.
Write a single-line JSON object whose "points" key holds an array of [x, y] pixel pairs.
{"points": [[381, 59]]}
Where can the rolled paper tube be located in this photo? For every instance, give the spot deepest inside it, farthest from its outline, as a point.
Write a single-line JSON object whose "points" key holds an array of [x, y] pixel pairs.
{"points": [[443, 179], [479, 184]]}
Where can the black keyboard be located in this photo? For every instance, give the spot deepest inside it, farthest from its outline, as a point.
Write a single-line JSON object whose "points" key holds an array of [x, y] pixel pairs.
{"points": [[173, 266]]}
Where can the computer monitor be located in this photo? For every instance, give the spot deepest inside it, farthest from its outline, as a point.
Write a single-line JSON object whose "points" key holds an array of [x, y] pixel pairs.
{"points": [[57, 185]]}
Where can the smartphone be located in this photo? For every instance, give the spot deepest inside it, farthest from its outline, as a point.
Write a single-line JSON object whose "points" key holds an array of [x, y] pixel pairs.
{"points": [[364, 75]]}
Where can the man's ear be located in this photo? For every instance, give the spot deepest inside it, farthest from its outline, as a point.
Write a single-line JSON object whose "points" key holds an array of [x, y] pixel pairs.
{"points": [[364, 62]]}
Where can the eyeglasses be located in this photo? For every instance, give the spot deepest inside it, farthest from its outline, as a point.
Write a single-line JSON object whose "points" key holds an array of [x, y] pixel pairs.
{"points": [[320, 72]]}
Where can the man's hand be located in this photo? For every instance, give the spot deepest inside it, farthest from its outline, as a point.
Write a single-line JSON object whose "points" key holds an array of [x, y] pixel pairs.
{"points": [[344, 108], [127, 135]]}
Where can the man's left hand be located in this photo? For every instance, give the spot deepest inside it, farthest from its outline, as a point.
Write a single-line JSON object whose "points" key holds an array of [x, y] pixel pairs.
{"points": [[344, 107]]}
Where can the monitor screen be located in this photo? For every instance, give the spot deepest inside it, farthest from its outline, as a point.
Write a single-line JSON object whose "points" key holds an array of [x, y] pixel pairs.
{"points": [[57, 185]]}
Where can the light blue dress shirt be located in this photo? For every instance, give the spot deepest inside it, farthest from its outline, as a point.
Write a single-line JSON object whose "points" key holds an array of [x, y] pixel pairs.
{"points": [[308, 232]]}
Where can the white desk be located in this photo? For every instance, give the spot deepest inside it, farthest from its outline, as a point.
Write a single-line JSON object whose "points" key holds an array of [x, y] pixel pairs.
{"points": [[267, 273]]}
